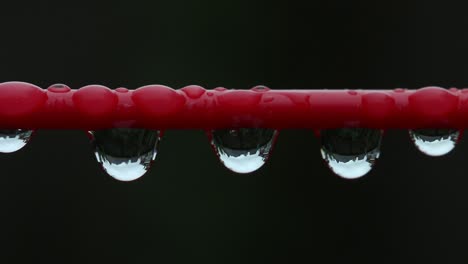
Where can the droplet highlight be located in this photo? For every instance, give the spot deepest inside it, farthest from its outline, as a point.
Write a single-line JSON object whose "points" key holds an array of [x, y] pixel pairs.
{"points": [[434, 142], [243, 150], [350, 152], [12, 140], [125, 154]]}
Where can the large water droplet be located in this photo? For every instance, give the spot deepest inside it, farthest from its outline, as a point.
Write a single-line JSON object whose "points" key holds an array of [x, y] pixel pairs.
{"points": [[125, 153], [350, 152], [12, 140], [243, 150], [434, 142]]}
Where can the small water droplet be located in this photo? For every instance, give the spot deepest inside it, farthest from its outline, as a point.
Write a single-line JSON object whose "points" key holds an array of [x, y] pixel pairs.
{"points": [[399, 90], [243, 150], [125, 153], [193, 91], [122, 90], [59, 88], [434, 142], [260, 88], [12, 140], [350, 152]]}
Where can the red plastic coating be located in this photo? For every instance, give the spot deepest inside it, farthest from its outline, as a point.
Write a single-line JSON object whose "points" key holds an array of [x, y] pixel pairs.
{"points": [[92, 107]]}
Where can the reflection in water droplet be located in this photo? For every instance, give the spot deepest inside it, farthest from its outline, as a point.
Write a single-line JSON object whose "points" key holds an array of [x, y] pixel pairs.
{"points": [[434, 142], [243, 150], [12, 140], [125, 153], [350, 152]]}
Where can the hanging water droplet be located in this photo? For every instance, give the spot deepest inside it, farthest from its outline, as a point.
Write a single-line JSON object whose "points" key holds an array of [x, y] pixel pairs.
{"points": [[12, 140], [434, 142], [125, 153], [350, 152], [243, 150]]}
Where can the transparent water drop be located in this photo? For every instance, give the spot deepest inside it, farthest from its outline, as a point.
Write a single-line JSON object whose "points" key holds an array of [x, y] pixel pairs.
{"points": [[434, 142], [243, 150], [351, 152], [125, 153], [12, 140]]}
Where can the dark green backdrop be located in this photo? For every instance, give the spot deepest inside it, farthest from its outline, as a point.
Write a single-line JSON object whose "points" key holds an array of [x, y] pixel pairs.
{"points": [[57, 204]]}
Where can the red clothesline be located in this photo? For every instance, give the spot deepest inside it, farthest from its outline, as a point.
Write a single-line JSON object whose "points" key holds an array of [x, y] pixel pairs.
{"points": [[92, 107]]}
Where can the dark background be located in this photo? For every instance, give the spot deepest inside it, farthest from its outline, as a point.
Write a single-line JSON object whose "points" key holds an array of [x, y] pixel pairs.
{"points": [[57, 205]]}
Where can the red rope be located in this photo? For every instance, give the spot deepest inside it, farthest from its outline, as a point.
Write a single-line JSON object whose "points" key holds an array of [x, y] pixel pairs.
{"points": [[92, 107]]}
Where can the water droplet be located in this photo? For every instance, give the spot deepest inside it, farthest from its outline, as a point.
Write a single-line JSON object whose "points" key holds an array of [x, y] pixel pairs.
{"points": [[193, 91], [59, 88], [125, 153], [12, 140], [260, 88], [350, 152], [122, 90], [434, 142], [243, 150], [399, 90]]}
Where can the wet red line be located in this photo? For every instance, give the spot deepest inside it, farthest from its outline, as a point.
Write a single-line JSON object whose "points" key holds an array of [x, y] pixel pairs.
{"points": [[92, 107]]}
